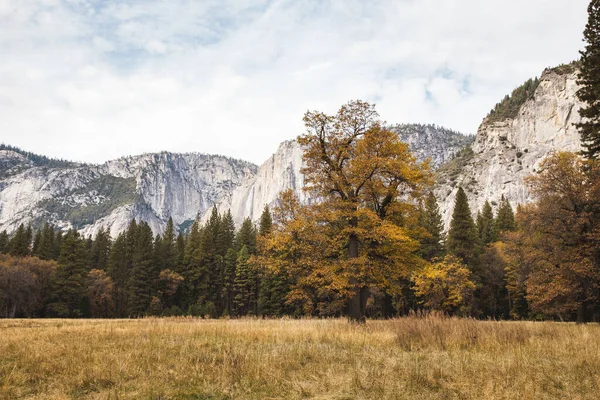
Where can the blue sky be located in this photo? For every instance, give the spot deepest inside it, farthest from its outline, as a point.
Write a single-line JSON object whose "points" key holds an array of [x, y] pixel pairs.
{"points": [[95, 80]]}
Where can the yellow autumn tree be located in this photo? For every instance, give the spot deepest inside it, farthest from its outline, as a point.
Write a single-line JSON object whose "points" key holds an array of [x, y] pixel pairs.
{"points": [[357, 235], [445, 285]]}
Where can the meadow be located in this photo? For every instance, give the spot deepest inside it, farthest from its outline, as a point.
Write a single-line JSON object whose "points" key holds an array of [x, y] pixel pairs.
{"points": [[407, 358]]}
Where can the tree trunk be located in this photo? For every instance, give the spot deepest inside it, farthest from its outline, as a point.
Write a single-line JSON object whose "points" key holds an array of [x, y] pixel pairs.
{"points": [[581, 313], [356, 305]]}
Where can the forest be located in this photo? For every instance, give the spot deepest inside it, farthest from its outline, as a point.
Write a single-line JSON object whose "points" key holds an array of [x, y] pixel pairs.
{"points": [[385, 248]]}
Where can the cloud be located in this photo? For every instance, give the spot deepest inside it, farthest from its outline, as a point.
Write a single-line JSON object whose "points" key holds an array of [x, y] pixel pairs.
{"points": [[93, 80]]}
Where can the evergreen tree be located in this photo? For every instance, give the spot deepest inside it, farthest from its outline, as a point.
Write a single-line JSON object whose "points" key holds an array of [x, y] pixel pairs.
{"points": [[431, 220], [3, 241], [462, 236], [57, 245], [37, 239], [229, 280], [179, 253], [244, 285], [485, 224], [143, 272], [69, 296], [118, 270], [266, 222], [45, 250], [168, 246], [589, 79], [196, 274], [246, 236], [226, 234], [100, 250], [505, 220], [19, 244]]}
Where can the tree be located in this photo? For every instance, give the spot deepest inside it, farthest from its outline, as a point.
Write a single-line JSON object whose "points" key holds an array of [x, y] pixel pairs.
{"points": [[505, 220], [119, 271], [485, 224], [462, 236], [363, 174], [100, 294], [3, 241], [143, 273], [445, 286], [101, 250], [431, 220], [566, 228], [20, 242], [589, 79], [25, 283], [266, 222], [246, 236], [244, 285], [71, 274]]}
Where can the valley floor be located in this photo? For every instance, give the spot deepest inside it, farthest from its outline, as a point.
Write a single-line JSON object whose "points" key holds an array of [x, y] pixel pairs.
{"points": [[180, 358]]}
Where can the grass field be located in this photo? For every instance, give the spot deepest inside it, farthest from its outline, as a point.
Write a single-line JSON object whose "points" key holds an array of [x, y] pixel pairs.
{"points": [[181, 358]]}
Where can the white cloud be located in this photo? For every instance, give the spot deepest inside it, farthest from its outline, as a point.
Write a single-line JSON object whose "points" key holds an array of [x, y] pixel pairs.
{"points": [[93, 80]]}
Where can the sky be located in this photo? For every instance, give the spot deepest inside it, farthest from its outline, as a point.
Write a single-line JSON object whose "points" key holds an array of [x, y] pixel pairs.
{"points": [[93, 80]]}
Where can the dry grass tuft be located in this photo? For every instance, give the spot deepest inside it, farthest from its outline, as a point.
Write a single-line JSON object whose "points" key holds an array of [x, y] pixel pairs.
{"points": [[184, 358]]}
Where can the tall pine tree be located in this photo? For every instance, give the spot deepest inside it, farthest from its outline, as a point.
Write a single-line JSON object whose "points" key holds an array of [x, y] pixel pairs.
{"points": [[589, 79], [462, 236], [431, 220]]}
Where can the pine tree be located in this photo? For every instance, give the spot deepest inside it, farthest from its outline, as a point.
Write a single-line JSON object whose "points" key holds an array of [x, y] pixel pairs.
{"points": [[143, 272], [266, 222], [3, 241], [485, 224], [244, 285], [19, 244], [431, 220], [589, 79], [179, 254], [37, 239], [168, 246], [196, 274], [119, 271], [246, 236], [45, 250], [226, 234], [57, 244], [71, 275], [100, 250], [462, 236], [229, 280], [505, 220]]}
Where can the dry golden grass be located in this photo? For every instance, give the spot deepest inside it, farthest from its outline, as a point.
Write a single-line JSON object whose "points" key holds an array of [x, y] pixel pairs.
{"points": [[416, 358]]}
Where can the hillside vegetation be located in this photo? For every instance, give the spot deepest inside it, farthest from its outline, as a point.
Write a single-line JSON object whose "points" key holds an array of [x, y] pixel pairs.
{"points": [[408, 358]]}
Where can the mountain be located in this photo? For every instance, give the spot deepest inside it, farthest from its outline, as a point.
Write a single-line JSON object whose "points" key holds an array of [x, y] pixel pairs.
{"points": [[536, 120], [154, 187]]}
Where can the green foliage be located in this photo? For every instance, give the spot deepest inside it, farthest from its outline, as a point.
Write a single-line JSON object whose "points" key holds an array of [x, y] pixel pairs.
{"points": [[485, 224], [509, 107], [432, 245], [244, 285], [505, 221], [20, 242], [462, 236], [589, 79], [70, 292], [265, 225]]}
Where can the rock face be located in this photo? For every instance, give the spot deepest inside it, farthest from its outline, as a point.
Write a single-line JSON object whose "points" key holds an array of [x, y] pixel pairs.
{"points": [[431, 141], [505, 152], [154, 187]]}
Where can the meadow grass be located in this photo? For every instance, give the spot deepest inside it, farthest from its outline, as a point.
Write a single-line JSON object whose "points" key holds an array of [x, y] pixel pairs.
{"points": [[408, 358]]}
